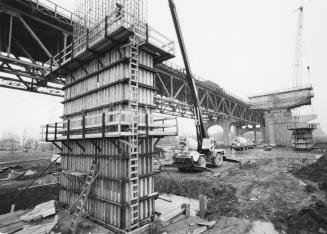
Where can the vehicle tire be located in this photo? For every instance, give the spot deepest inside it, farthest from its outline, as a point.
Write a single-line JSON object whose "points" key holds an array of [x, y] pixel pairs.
{"points": [[202, 162], [218, 160]]}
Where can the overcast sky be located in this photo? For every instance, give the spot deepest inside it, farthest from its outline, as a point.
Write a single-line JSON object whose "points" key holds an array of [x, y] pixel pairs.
{"points": [[245, 46]]}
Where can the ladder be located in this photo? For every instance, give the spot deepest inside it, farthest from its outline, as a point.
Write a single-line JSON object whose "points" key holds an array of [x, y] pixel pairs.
{"points": [[133, 139], [80, 203]]}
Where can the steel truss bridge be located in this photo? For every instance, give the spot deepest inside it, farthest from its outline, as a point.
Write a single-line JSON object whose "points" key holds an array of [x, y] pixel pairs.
{"points": [[33, 32]]}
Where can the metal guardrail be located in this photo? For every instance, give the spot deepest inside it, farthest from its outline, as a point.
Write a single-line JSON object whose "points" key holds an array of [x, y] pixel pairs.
{"points": [[294, 89], [108, 124], [60, 13], [302, 125]]}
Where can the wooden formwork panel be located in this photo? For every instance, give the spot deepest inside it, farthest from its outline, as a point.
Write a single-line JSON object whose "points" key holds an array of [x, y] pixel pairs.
{"points": [[111, 214], [102, 79], [101, 86], [105, 96], [110, 57], [108, 147]]}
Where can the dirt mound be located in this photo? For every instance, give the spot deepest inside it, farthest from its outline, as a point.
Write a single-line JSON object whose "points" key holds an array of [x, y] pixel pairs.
{"points": [[309, 220], [316, 172]]}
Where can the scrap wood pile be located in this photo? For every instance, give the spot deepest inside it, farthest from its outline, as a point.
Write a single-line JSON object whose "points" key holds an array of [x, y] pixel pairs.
{"points": [[23, 222]]}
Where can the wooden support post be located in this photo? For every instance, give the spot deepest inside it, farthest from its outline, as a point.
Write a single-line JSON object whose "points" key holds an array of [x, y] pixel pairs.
{"points": [[103, 125], [147, 125], [46, 132], [83, 127], [255, 133], [187, 208], [55, 136], [12, 208], [146, 33], [68, 128], [72, 53], [106, 27], [203, 206], [87, 38]]}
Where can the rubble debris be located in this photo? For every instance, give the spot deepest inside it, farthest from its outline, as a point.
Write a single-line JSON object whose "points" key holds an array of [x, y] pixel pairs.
{"points": [[39, 229], [15, 174], [4, 169], [310, 189], [10, 223], [29, 173], [199, 230], [311, 219], [172, 214], [208, 224], [165, 199], [267, 148], [163, 207], [40, 211], [316, 172]]}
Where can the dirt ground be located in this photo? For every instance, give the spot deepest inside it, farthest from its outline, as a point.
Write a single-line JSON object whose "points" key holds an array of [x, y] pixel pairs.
{"points": [[9, 189], [285, 188]]}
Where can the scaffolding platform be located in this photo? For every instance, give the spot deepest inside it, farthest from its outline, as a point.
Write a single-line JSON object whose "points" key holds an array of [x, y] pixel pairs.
{"points": [[302, 139]]}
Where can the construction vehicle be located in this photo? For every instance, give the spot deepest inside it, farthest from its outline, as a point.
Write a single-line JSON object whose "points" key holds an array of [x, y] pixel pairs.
{"points": [[207, 149], [241, 143]]}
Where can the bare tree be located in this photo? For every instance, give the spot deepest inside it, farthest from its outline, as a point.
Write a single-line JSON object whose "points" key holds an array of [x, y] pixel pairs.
{"points": [[9, 141]]}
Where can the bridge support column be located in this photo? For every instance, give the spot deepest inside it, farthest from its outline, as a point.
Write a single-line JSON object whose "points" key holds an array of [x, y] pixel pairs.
{"points": [[226, 125], [276, 126], [239, 131], [254, 132]]}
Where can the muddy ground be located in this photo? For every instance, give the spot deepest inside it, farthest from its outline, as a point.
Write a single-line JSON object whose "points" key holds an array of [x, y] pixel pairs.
{"points": [[285, 188], [11, 190]]}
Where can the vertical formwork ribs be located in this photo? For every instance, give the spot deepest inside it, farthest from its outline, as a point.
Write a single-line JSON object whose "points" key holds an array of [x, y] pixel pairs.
{"points": [[80, 204], [134, 151]]}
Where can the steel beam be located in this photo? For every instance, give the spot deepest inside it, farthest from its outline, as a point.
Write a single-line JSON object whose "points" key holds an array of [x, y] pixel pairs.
{"points": [[35, 37]]}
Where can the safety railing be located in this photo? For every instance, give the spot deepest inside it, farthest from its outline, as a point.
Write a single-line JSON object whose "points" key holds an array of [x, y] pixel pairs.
{"points": [[60, 13], [110, 124], [294, 89], [112, 22], [302, 126]]}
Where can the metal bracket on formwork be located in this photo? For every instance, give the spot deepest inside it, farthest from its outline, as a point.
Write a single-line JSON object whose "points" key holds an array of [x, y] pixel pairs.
{"points": [[116, 145], [80, 145], [125, 142], [60, 148], [96, 146], [68, 147], [81, 64], [140, 141], [155, 144]]}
